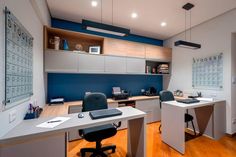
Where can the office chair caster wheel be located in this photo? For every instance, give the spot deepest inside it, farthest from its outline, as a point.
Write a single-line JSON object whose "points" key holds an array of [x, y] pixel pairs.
{"points": [[82, 154], [98, 155]]}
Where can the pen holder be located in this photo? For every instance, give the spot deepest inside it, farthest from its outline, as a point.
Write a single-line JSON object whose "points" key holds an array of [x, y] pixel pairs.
{"points": [[30, 116], [33, 115]]}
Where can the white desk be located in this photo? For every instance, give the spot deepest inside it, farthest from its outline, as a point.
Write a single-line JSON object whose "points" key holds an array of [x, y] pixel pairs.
{"points": [[27, 140], [207, 113]]}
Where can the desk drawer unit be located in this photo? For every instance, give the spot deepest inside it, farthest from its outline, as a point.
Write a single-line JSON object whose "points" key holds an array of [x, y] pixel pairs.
{"points": [[151, 107]]}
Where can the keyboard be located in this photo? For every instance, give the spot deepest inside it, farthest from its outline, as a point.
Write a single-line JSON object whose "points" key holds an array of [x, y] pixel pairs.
{"points": [[188, 101], [104, 113]]}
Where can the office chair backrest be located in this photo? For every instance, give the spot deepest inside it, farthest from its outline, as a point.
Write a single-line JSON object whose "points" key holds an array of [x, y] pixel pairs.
{"points": [[94, 101], [166, 96]]}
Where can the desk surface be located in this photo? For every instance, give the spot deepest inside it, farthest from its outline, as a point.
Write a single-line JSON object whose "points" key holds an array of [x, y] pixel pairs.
{"points": [[28, 130], [193, 105], [63, 109]]}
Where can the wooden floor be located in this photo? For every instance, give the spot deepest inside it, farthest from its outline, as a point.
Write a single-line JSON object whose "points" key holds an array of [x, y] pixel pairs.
{"points": [[197, 147]]}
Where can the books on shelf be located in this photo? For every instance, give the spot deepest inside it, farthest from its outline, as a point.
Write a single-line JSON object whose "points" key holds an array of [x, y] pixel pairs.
{"points": [[163, 69]]}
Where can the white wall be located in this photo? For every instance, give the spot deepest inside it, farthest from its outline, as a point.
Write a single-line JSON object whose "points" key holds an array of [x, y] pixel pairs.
{"points": [[233, 87], [215, 37], [24, 11], [41, 9]]}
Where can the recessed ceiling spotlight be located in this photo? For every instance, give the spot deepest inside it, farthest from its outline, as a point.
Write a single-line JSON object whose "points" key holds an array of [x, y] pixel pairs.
{"points": [[94, 3], [163, 24], [134, 15]]}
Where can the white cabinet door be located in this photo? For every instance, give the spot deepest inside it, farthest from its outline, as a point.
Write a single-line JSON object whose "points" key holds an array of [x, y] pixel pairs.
{"points": [[115, 65], [74, 134], [60, 61], [151, 107], [90, 63], [135, 65]]}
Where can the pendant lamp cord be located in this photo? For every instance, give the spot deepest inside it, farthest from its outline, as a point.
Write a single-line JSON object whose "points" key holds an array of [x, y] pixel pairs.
{"points": [[190, 24], [101, 11], [112, 12], [185, 26]]}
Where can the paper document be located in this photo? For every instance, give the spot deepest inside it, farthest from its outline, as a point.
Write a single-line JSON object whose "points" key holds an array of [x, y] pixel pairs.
{"points": [[53, 122], [205, 99]]}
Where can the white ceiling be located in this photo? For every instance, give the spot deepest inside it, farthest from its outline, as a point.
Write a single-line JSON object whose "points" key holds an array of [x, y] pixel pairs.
{"points": [[150, 13]]}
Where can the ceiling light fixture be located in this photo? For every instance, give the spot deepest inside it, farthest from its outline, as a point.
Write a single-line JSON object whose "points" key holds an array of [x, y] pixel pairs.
{"points": [[187, 44], [163, 24], [134, 15], [94, 3], [105, 28]]}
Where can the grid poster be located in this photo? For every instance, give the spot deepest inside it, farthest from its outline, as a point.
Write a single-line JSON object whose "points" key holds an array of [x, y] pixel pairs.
{"points": [[207, 73], [18, 60]]}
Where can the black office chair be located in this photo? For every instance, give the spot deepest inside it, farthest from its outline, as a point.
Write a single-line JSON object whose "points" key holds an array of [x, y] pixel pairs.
{"points": [[168, 96], [97, 101]]}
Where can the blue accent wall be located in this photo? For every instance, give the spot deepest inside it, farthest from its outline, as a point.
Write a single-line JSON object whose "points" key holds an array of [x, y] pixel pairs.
{"points": [[68, 25], [73, 86]]}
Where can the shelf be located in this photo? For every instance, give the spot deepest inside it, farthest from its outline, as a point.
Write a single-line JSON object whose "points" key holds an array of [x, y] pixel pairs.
{"points": [[157, 67], [159, 74], [72, 38]]}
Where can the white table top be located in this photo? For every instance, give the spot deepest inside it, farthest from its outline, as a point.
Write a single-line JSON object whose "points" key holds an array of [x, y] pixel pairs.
{"points": [[193, 105], [28, 130]]}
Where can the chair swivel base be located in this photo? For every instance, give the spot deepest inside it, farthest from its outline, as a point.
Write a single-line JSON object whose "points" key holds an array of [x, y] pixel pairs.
{"points": [[98, 151]]}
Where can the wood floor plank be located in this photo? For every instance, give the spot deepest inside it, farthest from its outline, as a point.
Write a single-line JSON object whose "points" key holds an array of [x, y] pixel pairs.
{"points": [[197, 147]]}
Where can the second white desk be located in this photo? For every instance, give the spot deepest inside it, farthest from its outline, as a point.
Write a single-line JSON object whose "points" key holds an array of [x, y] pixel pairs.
{"points": [[173, 125]]}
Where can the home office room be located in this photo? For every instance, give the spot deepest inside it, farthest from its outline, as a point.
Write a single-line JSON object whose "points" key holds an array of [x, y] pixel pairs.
{"points": [[116, 78]]}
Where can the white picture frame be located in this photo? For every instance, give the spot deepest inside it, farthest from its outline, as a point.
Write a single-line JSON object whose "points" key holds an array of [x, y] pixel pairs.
{"points": [[94, 49]]}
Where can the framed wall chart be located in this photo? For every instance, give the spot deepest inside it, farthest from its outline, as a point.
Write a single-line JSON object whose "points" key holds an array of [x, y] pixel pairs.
{"points": [[207, 73], [18, 61]]}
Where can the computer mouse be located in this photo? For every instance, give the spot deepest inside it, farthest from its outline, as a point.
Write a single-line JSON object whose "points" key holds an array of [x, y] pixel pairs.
{"points": [[80, 115]]}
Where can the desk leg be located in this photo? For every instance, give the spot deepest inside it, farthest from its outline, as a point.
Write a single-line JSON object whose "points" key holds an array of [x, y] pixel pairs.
{"points": [[137, 137], [172, 123]]}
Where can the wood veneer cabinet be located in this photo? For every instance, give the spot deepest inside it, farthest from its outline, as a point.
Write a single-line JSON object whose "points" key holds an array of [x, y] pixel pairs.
{"points": [[123, 48], [109, 46], [158, 53]]}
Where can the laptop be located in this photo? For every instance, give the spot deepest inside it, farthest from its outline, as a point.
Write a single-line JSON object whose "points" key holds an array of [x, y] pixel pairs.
{"points": [[104, 113], [188, 101]]}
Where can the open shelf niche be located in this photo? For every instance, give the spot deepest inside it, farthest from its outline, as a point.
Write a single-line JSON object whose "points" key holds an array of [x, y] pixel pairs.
{"points": [[72, 38], [154, 67]]}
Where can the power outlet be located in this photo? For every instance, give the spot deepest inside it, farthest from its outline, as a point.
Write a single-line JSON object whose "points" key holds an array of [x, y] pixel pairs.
{"points": [[234, 121], [12, 116], [234, 80]]}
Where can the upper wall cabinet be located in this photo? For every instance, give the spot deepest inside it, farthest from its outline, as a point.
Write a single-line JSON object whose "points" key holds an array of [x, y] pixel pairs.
{"points": [[158, 53], [59, 61], [115, 64], [135, 65], [115, 56], [91, 63], [123, 48]]}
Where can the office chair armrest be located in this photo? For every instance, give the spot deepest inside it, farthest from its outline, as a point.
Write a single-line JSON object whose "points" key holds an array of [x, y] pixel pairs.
{"points": [[81, 133], [117, 125]]}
